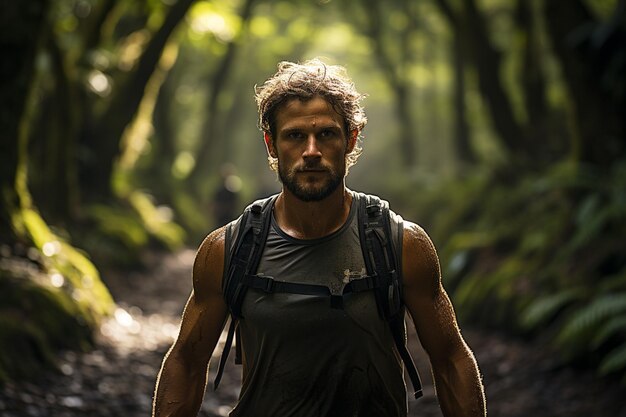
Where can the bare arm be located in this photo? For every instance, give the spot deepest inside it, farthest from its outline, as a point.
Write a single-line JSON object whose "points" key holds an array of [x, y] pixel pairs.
{"points": [[182, 380], [457, 380]]}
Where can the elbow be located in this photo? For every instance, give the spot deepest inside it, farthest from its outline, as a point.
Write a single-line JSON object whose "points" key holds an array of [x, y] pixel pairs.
{"points": [[454, 353]]}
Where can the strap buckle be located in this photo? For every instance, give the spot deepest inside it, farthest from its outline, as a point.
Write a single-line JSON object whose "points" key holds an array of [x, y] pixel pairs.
{"points": [[269, 285]]}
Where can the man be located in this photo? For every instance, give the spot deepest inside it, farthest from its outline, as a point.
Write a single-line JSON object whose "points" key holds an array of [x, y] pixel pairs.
{"points": [[301, 357]]}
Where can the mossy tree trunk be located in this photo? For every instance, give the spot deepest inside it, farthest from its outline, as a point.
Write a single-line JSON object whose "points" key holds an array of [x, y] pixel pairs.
{"points": [[22, 28], [102, 136]]}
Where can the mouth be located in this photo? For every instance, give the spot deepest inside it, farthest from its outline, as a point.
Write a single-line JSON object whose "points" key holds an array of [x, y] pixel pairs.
{"points": [[312, 169]]}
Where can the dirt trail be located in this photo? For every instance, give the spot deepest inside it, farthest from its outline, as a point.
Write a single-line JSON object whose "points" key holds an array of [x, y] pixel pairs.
{"points": [[117, 378]]}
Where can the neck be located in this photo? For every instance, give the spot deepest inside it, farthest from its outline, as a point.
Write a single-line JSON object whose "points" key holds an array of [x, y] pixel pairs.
{"points": [[312, 219]]}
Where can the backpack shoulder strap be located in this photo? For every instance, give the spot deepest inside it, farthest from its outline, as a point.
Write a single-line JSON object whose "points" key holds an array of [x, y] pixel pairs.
{"points": [[383, 264], [244, 260], [248, 248], [379, 254]]}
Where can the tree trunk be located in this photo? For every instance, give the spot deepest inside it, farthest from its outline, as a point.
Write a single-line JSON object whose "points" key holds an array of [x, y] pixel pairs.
{"points": [[158, 175], [395, 75], [487, 61], [96, 22], [22, 28], [586, 65], [103, 138], [55, 183], [210, 135], [462, 145], [543, 142]]}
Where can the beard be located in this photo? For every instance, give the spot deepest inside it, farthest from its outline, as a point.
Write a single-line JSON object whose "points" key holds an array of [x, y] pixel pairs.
{"points": [[310, 192]]}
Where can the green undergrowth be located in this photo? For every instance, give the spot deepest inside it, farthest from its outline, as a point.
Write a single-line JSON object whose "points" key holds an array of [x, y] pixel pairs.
{"points": [[36, 320], [540, 256], [51, 298], [117, 233]]}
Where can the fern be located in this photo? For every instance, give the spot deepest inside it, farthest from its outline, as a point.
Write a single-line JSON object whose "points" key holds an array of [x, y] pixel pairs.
{"points": [[615, 325], [543, 309], [614, 361], [586, 320]]}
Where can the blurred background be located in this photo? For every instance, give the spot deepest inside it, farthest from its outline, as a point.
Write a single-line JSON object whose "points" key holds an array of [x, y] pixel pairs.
{"points": [[129, 131]]}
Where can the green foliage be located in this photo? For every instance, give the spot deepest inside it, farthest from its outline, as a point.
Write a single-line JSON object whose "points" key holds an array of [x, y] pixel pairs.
{"points": [[541, 255], [88, 292], [120, 224], [40, 313], [24, 349], [51, 300], [586, 321], [544, 309], [613, 327], [615, 361], [123, 230], [157, 220]]}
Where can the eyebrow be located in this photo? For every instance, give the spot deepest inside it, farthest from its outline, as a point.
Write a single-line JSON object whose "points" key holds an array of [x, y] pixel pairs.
{"points": [[328, 126]]}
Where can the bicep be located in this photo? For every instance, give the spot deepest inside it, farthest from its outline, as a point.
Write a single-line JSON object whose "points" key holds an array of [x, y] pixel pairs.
{"points": [[205, 312], [426, 299]]}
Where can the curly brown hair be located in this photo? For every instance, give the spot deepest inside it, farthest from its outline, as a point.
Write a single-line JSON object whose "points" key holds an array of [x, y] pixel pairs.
{"points": [[304, 81]]}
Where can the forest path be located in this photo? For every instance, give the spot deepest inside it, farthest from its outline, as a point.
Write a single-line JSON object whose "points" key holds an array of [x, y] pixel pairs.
{"points": [[117, 378]]}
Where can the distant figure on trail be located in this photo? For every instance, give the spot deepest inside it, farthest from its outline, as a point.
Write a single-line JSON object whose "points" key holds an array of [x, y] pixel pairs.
{"points": [[316, 281], [225, 201]]}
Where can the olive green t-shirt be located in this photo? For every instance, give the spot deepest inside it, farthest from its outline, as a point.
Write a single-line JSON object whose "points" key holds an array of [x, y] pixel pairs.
{"points": [[303, 358]]}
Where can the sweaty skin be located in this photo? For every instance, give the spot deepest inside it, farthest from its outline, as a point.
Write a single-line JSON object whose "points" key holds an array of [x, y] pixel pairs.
{"points": [[455, 372], [182, 380]]}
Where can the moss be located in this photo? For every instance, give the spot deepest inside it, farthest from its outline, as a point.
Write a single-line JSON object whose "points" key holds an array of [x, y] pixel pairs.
{"points": [[84, 285], [36, 320], [24, 349], [46, 305]]}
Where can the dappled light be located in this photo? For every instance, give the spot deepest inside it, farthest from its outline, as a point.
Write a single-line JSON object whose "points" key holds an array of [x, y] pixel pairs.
{"points": [[131, 132]]}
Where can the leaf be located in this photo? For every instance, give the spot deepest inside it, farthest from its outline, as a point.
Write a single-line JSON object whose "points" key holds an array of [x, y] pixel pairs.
{"points": [[545, 308], [588, 209], [614, 361], [615, 325], [590, 317]]}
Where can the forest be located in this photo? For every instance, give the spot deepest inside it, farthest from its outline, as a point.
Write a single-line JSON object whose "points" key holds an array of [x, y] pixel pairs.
{"points": [[497, 125]]}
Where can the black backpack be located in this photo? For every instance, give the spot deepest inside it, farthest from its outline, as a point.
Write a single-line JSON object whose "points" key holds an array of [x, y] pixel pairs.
{"points": [[380, 261]]}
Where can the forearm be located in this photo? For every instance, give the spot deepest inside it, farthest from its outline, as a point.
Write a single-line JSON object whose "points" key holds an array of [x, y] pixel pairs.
{"points": [[179, 389], [459, 388]]}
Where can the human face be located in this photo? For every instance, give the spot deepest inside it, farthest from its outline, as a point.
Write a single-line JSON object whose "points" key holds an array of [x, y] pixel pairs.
{"points": [[311, 148]]}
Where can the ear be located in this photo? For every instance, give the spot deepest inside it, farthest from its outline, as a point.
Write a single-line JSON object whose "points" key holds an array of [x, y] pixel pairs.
{"points": [[269, 144], [352, 140]]}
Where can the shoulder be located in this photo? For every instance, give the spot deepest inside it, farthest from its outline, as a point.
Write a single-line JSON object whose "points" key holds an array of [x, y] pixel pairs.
{"points": [[415, 236], [208, 265], [419, 258]]}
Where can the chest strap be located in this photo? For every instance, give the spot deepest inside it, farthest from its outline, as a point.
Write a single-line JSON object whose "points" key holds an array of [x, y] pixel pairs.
{"points": [[270, 285]]}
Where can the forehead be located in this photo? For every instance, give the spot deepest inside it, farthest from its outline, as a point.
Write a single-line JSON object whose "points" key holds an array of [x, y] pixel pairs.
{"points": [[295, 112]]}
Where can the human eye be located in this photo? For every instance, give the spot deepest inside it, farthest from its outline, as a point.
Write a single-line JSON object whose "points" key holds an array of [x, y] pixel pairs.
{"points": [[328, 133], [295, 135]]}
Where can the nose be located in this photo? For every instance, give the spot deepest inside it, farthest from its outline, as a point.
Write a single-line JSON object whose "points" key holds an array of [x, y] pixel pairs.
{"points": [[311, 150]]}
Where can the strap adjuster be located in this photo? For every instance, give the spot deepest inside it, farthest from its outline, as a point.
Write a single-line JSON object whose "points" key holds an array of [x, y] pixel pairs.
{"points": [[372, 210], [269, 285]]}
